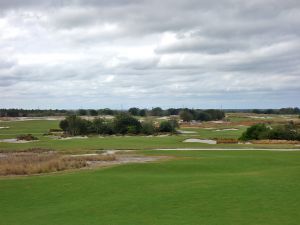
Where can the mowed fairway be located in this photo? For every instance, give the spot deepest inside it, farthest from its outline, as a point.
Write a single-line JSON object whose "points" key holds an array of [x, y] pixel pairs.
{"points": [[199, 187]]}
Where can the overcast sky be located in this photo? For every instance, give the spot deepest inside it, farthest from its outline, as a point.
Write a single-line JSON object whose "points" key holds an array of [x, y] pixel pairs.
{"points": [[168, 53]]}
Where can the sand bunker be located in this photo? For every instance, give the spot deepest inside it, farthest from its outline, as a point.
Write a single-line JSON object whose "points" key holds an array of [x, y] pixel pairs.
{"points": [[186, 132], [14, 140], [163, 118], [227, 129], [261, 117], [75, 137], [204, 141], [4, 127], [218, 121]]}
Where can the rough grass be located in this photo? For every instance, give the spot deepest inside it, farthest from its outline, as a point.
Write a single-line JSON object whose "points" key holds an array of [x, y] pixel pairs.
{"points": [[26, 163], [225, 187]]}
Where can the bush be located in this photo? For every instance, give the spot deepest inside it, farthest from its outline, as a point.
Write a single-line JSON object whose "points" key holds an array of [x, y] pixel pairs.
{"points": [[261, 131], [168, 126], [123, 123], [134, 111], [203, 116], [148, 128], [27, 137], [255, 132], [186, 116], [74, 125]]}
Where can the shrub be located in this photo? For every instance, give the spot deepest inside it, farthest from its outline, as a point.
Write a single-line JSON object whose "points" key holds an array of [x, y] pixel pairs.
{"points": [[74, 125], [203, 116], [255, 132], [168, 126], [148, 128], [186, 116], [134, 111], [123, 123], [27, 137], [55, 130], [261, 131]]}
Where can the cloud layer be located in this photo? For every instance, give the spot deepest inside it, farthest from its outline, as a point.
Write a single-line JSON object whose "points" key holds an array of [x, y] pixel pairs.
{"points": [[116, 53]]}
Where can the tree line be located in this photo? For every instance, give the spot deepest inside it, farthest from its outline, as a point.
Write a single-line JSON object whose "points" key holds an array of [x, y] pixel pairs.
{"points": [[195, 114], [123, 123], [287, 111], [134, 111], [201, 115]]}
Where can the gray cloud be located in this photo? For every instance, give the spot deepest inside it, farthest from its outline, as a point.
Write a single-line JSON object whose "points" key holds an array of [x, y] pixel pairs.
{"points": [[75, 53]]}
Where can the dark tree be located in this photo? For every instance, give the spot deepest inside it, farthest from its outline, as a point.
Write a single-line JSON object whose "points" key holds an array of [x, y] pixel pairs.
{"points": [[134, 111]]}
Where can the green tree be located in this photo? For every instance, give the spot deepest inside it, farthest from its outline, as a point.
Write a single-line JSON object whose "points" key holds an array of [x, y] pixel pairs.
{"points": [[134, 111], [123, 123], [256, 132], [186, 115], [167, 126]]}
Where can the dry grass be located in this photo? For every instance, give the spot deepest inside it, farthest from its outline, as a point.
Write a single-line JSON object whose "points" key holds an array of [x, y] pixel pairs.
{"points": [[227, 141], [274, 142], [25, 163]]}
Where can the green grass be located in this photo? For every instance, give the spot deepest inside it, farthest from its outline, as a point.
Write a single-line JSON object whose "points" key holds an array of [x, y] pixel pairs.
{"points": [[35, 127], [211, 188], [39, 127], [213, 133]]}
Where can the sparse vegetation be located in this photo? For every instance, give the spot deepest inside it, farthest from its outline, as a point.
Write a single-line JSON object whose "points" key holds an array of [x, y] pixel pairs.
{"points": [[35, 162], [27, 137]]}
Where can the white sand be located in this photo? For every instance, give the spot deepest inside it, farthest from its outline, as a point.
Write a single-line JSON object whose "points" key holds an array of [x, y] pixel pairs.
{"points": [[187, 132], [75, 137], [14, 140], [204, 141], [227, 129]]}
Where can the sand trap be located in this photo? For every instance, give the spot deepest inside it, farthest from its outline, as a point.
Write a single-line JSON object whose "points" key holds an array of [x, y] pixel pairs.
{"points": [[187, 132], [261, 117], [4, 127], [75, 137], [14, 140], [227, 129], [112, 152], [204, 141], [163, 118], [218, 121], [208, 128]]}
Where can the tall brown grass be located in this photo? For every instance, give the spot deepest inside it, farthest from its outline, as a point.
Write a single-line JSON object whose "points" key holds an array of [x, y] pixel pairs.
{"points": [[25, 163], [227, 141], [267, 141]]}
